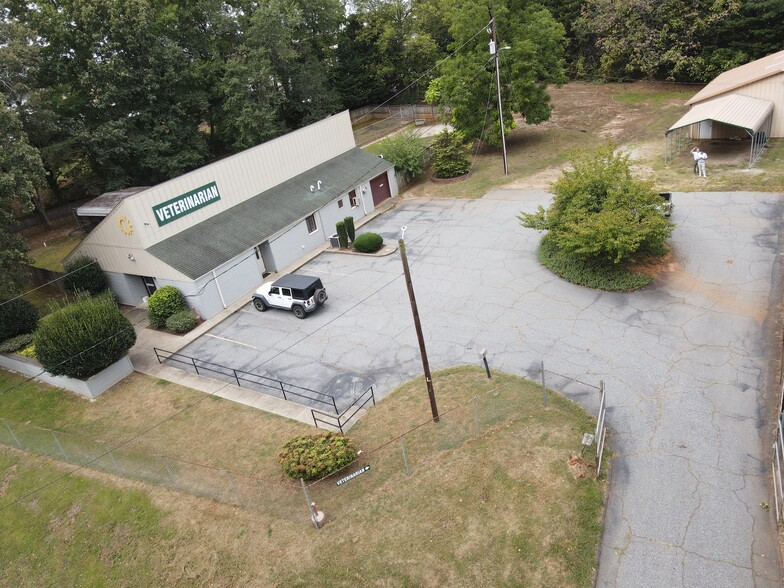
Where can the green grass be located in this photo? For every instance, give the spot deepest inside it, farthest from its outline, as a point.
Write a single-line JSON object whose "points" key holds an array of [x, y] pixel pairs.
{"points": [[592, 274], [78, 532], [501, 506], [52, 256]]}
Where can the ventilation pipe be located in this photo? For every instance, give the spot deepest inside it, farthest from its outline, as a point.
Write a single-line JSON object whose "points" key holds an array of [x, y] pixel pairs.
{"points": [[311, 187], [319, 185]]}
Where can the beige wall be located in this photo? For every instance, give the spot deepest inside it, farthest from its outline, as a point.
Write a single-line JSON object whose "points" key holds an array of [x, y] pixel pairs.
{"points": [[238, 178]]}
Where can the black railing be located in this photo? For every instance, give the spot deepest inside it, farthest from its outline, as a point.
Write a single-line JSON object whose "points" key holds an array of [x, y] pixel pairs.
{"points": [[240, 376], [345, 417]]}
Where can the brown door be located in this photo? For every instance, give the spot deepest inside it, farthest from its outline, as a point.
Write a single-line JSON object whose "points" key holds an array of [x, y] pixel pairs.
{"points": [[379, 187]]}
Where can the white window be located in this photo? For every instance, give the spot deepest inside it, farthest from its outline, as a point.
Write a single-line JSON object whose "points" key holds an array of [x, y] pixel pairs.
{"points": [[352, 197], [311, 220]]}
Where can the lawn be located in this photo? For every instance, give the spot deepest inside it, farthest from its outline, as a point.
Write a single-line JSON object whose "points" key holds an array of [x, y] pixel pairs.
{"points": [[499, 505]]}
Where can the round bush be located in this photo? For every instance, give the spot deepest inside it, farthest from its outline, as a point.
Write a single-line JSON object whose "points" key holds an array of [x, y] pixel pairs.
{"points": [[316, 456], [81, 339], [17, 317], [181, 322], [368, 243], [16, 343], [82, 273], [163, 303]]}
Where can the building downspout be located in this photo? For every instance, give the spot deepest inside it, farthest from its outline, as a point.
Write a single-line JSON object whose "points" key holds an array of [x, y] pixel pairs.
{"points": [[217, 284]]}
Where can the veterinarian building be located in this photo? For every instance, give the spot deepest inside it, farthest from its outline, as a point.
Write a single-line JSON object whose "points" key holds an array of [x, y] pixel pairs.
{"points": [[213, 233]]}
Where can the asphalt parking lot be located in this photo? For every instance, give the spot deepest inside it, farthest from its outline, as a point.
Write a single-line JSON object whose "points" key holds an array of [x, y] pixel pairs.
{"points": [[686, 362]]}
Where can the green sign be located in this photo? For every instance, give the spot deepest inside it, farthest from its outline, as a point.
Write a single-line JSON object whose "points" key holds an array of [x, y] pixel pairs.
{"points": [[178, 207]]}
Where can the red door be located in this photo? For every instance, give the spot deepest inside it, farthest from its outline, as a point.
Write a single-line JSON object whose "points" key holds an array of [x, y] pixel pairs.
{"points": [[379, 187]]}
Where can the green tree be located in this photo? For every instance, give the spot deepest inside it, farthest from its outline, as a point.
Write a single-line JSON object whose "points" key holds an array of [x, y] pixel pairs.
{"points": [[533, 59], [601, 212], [450, 155], [406, 152], [21, 172]]}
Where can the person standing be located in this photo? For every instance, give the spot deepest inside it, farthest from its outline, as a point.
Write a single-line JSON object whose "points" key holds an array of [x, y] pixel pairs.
{"points": [[697, 155], [701, 164]]}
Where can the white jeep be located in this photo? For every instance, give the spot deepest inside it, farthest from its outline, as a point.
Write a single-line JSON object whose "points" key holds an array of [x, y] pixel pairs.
{"points": [[297, 293]]}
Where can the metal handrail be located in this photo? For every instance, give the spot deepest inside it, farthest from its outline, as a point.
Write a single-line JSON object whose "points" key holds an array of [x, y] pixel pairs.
{"points": [[339, 421], [283, 387]]}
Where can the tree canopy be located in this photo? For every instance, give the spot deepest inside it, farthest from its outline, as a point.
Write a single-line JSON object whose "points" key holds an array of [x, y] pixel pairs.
{"points": [[601, 212]]}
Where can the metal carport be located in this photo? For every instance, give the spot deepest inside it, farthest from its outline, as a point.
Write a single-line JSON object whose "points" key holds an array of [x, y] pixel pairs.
{"points": [[753, 115]]}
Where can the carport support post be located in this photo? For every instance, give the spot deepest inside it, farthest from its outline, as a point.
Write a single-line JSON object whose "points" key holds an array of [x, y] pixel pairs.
{"points": [[422, 351]]}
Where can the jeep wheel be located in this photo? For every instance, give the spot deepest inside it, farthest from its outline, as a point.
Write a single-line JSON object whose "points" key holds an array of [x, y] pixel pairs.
{"points": [[299, 312], [259, 305], [321, 296]]}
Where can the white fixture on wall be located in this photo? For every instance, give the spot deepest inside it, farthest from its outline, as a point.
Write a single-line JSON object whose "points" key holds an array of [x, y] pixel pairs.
{"points": [[131, 257]]}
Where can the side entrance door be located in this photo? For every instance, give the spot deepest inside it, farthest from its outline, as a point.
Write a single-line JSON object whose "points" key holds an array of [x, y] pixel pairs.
{"points": [[379, 187]]}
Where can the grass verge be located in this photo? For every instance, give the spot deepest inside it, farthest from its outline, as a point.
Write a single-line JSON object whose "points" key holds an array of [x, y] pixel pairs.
{"points": [[600, 276], [499, 505]]}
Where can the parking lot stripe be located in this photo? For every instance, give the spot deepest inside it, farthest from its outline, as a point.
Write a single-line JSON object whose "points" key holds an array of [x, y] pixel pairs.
{"points": [[232, 341]]}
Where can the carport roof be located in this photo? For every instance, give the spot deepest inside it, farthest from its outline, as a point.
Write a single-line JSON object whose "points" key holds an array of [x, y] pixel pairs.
{"points": [[734, 109], [203, 247]]}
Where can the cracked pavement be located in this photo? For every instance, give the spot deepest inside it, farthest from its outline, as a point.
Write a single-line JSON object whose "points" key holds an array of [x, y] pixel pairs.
{"points": [[689, 363]]}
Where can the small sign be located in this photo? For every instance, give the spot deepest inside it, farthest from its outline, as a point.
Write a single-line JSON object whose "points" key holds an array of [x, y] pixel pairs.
{"points": [[352, 476], [186, 203]]}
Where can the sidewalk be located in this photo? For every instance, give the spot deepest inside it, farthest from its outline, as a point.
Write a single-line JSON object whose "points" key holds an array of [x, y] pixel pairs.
{"points": [[145, 361]]}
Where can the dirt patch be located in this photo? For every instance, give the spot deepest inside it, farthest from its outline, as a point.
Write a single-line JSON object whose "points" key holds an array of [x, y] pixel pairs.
{"points": [[7, 479]]}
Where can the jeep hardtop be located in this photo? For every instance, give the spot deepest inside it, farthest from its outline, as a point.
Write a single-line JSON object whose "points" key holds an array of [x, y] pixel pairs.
{"points": [[295, 292]]}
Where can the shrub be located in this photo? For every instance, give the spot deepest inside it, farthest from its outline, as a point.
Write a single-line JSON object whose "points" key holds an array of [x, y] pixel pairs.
{"points": [[82, 338], [340, 228], [350, 232], [28, 351], [592, 273], [406, 153], [450, 157], [368, 243], [316, 456], [17, 316], [82, 273], [16, 343], [163, 303], [181, 322]]}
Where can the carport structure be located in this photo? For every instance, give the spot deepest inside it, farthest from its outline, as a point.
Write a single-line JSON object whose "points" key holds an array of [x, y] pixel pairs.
{"points": [[725, 117]]}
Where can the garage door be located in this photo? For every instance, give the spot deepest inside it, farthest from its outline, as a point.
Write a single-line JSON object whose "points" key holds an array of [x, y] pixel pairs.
{"points": [[379, 187]]}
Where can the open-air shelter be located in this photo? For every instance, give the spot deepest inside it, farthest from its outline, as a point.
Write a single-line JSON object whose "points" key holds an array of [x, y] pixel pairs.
{"points": [[731, 117]]}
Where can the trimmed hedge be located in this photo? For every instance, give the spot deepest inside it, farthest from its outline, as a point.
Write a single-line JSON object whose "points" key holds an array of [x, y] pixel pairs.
{"points": [[164, 303], [368, 243], [316, 456], [83, 274], [181, 322], [16, 343], [81, 339], [350, 230], [340, 229], [17, 317]]}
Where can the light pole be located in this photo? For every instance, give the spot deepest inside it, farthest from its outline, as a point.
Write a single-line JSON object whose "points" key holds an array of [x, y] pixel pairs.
{"points": [[494, 49], [422, 351]]}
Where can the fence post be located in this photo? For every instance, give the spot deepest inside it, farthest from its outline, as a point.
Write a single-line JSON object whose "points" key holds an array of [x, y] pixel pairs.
{"points": [[544, 386], [60, 447], [405, 457], [335, 404], [157, 355], [7, 426], [236, 377], [777, 478], [193, 361], [476, 414], [310, 504], [283, 390], [172, 479], [114, 461], [231, 481]]}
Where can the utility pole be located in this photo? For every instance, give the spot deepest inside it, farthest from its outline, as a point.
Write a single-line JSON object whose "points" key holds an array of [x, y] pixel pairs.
{"points": [[494, 52], [422, 351]]}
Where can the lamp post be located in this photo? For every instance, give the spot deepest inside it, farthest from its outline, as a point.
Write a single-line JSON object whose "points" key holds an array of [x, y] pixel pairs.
{"points": [[420, 337]]}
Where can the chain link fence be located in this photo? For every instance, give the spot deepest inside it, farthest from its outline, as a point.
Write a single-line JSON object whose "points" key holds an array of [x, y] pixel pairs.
{"points": [[390, 460]]}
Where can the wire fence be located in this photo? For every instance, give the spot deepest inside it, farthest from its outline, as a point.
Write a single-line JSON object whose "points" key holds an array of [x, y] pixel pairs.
{"points": [[390, 461]]}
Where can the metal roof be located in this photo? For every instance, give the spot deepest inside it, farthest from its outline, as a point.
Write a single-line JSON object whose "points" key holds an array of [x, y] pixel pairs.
{"points": [[743, 75], [735, 110], [201, 248], [102, 205]]}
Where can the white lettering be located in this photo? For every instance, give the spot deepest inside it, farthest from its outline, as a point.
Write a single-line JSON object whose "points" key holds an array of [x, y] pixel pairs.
{"points": [[191, 202], [159, 212], [167, 212]]}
